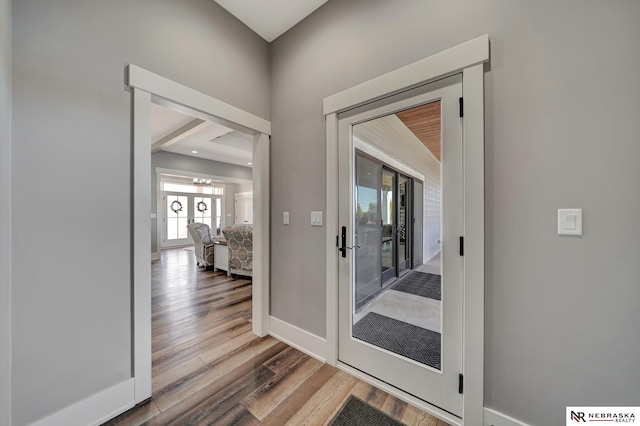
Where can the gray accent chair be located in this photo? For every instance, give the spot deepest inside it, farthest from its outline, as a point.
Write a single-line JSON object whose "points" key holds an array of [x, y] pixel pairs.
{"points": [[240, 243], [203, 241]]}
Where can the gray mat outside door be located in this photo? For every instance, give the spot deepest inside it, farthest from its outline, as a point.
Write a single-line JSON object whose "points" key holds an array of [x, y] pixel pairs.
{"points": [[420, 284], [399, 337]]}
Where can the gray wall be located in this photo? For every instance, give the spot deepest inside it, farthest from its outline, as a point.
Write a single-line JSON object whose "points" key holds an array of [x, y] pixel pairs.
{"points": [[71, 159], [170, 160], [562, 131], [5, 212]]}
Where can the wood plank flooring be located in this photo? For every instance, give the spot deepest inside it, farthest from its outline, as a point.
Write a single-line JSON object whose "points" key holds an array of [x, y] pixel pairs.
{"points": [[209, 369]]}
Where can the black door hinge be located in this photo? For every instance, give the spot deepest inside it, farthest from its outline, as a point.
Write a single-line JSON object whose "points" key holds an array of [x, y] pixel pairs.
{"points": [[461, 107], [460, 383], [461, 246]]}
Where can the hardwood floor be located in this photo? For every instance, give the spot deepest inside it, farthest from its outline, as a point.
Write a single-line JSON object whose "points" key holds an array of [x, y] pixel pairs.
{"points": [[208, 368]]}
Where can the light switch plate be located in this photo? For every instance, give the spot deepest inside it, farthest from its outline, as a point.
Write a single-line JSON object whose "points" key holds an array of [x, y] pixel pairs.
{"points": [[285, 218], [569, 221], [316, 218]]}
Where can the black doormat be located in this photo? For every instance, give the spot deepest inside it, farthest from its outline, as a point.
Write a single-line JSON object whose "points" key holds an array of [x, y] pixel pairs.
{"points": [[399, 337], [420, 284], [356, 412]]}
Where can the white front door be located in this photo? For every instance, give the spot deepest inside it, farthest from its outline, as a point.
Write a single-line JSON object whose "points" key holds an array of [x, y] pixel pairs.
{"points": [[402, 334], [181, 209], [177, 215]]}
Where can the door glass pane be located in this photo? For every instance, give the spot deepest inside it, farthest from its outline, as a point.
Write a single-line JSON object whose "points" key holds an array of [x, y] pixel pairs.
{"points": [[404, 223], [397, 300], [177, 214], [367, 230], [218, 215], [202, 210], [388, 225]]}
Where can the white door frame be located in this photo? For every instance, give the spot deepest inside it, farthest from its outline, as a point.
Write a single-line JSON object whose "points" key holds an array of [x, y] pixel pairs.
{"points": [[467, 58], [144, 86]]}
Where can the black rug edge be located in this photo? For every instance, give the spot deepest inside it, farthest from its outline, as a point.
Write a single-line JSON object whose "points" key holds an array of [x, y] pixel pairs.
{"points": [[353, 397]]}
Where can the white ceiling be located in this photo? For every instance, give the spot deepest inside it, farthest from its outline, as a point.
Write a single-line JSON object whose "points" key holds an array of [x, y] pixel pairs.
{"points": [[270, 18], [210, 140]]}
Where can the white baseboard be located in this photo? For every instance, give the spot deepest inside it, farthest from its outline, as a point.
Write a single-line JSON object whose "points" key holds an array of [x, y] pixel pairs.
{"points": [[298, 338], [95, 409], [155, 256], [495, 418]]}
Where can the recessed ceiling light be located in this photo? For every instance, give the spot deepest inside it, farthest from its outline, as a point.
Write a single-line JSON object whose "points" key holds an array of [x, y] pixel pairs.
{"points": [[194, 152], [249, 163]]}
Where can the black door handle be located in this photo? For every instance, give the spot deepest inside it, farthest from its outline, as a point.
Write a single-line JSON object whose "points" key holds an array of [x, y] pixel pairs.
{"points": [[343, 249]]}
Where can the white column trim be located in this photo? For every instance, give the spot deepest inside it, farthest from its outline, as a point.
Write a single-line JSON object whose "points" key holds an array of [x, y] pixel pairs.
{"points": [[140, 239], [473, 296], [332, 232], [261, 238]]}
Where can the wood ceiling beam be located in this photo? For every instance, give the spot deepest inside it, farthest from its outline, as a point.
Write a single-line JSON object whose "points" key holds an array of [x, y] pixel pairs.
{"points": [[194, 126]]}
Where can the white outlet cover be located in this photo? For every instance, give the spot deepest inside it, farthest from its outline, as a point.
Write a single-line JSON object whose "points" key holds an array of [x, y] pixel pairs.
{"points": [[569, 221]]}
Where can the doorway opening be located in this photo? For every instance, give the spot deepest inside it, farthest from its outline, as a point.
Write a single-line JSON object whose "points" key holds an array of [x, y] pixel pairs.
{"points": [[148, 88]]}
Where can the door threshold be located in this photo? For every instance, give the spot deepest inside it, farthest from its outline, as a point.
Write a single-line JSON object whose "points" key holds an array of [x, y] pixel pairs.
{"points": [[400, 394]]}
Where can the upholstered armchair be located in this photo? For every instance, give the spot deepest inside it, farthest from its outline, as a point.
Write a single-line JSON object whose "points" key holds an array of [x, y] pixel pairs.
{"points": [[201, 235], [240, 242]]}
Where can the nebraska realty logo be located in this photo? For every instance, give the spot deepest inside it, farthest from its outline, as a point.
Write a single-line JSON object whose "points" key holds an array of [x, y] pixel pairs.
{"points": [[602, 414]]}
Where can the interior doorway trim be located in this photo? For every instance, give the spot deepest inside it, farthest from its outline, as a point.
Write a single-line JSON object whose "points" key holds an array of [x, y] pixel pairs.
{"points": [[467, 58], [146, 86]]}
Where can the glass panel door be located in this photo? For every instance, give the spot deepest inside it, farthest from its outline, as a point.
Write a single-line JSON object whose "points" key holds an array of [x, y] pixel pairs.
{"points": [[202, 210], [388, 226], [404, 224], [176, 220], [404, 330], [368, 230]]}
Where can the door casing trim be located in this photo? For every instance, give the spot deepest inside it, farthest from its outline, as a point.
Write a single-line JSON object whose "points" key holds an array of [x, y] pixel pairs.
{"points": [[467, 58], [145, 86]]}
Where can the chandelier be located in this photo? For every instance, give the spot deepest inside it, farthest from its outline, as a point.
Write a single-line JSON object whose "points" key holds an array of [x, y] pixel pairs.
{"points": [[198, 181]]}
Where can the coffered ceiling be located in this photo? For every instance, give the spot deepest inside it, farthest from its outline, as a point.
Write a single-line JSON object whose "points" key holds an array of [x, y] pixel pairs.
{"points": [[180, 133]]}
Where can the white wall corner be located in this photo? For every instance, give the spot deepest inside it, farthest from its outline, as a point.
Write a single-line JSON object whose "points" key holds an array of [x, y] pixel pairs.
{"points": [[298, 338], [495, 418]]}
